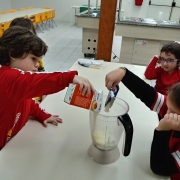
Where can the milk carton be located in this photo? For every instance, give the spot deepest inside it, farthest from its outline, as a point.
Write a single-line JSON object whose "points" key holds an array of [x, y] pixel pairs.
{"points": [[93, 101]]}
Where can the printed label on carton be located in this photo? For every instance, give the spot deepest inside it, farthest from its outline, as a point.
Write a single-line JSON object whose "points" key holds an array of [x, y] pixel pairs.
{"points": [[97, 101], [93, 101]]}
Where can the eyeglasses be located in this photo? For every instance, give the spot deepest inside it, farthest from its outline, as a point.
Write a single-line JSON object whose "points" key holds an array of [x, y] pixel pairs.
{"points": [[167, 60]]}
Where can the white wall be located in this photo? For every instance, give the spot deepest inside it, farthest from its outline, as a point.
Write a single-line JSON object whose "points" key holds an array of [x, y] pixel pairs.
{"points": [[62, 7], [64, 11], [134, 11], [5, 5], [153, 11]]}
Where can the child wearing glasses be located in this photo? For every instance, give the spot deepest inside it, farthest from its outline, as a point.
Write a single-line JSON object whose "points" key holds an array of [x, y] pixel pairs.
{"points": [[168, 73]]}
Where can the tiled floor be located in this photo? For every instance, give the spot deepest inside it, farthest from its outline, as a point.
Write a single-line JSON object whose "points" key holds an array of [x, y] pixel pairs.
{"points": [[65, 46]]}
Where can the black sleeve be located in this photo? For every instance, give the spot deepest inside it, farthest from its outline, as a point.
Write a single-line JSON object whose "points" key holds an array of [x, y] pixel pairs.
{"points": [[139, 88], [161, 161]]}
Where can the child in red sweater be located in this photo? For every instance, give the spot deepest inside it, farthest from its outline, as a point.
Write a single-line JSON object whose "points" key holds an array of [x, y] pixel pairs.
{"points": [[168, 73], [20, 81], [27, 23]]}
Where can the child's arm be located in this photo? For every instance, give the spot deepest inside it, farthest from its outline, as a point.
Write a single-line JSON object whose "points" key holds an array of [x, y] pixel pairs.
{"points": [[143, 91], [163, 161], [151, 71], [146, 93], [42, 116], [37, 112], [179, 72], [22, 85]]}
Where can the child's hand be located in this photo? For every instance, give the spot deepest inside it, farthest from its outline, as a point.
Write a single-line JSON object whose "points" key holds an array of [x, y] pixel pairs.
{"points": [[114, 77], [158, 61], [54, 119], [169, 122], [85, 86]]}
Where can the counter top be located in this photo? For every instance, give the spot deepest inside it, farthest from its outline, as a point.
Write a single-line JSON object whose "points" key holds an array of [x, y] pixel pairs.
{"points": [[164, 24], [85, 13]]}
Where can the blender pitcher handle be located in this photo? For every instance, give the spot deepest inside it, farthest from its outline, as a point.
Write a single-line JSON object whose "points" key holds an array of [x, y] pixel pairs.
{"points": [[128, 127]]}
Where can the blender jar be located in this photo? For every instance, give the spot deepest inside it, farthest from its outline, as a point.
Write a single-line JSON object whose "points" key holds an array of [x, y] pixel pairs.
{"points": [[106, 129]]}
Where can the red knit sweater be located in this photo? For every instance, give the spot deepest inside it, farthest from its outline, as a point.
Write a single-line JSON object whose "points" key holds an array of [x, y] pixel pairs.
{"points": [[17, 88], [164, 80]]}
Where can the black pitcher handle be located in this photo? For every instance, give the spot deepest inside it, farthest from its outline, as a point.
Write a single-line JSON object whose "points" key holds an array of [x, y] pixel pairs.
{"points": [[128, 127]]}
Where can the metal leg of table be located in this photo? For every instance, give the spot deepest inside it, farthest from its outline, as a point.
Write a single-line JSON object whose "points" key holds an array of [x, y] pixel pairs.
{"points": [[75, 16]]}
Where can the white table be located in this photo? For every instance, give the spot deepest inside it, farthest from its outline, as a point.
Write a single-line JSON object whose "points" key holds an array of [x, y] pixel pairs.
{"points": [[30, 12], [38, 153]]}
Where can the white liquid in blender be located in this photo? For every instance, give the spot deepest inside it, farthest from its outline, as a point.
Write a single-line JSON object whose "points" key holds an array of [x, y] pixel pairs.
{"points": [[103, 140]]}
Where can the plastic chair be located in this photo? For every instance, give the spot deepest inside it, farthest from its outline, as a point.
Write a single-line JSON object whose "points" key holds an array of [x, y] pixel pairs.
{"points": [[22, 9], [53, 16], [6, 25], [1, 30], [12, 10], [30, 7], [46, 7], [48, 17], [3, 12], [37, 21], [44, 19]]}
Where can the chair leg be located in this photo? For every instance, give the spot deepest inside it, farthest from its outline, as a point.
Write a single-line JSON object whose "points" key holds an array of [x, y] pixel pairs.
{"points": [[45, 23], [40, 28], [54, 22], [51, 23]]}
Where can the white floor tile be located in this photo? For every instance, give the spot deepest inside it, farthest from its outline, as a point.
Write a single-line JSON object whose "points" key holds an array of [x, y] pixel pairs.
{"points": [[65, 46]]}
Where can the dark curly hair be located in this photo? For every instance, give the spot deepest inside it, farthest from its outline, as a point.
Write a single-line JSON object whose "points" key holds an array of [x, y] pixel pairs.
{"points": [[173, 48], [174, 95], [23, 22], [18, 42]]}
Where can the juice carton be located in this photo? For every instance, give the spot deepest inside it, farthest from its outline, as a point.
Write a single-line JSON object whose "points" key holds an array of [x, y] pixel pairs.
{"points": [[93, 101]]}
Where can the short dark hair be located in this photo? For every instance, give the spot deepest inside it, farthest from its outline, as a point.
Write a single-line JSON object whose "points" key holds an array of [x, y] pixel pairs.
{"points": [[173, 48], [23, 22], [174, 95], [19, 41]]}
